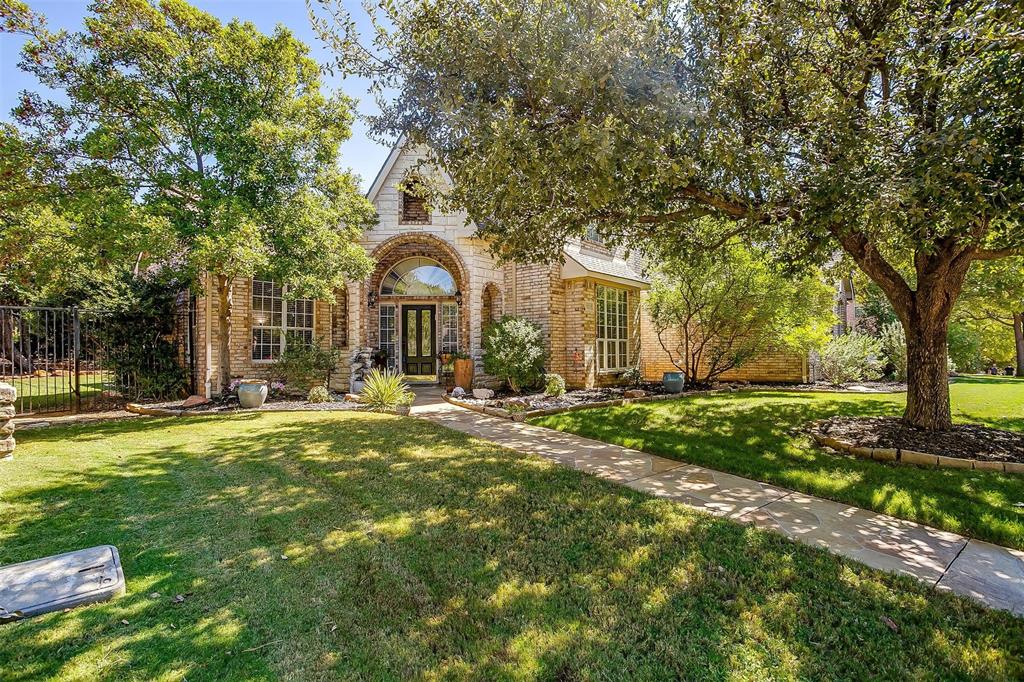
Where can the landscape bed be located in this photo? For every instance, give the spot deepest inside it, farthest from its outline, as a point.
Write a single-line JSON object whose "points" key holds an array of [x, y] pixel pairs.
{"points": [[323, 545]]}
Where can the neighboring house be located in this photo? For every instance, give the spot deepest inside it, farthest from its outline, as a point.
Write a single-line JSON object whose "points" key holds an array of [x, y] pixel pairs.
{"points": [[436, 287]]}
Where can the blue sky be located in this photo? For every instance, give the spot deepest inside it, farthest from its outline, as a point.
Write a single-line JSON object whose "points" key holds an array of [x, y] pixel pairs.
{"points": [[360, 153]]}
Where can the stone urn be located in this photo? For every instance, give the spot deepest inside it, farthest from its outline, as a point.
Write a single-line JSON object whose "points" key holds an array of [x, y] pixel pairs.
{"points": [[8, 394], [252, 393], [464, 373]]}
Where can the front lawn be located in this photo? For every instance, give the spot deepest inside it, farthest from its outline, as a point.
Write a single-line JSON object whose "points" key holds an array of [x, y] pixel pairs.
{"points": [[416, 552], [758, 434]]}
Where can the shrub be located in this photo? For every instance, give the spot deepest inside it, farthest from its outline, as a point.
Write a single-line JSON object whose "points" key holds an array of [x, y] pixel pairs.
{"points": [[893, 341], [384, 390], [319, 394], [633, 376], [554, 385], [305, 365], [514, 352], [851, 357]]}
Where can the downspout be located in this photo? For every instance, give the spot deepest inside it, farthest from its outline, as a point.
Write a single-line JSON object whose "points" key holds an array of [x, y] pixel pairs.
{"points": [[208, 379]]}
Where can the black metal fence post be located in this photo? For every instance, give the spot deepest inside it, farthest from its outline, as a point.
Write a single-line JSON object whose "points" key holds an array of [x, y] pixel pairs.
{"points": [[76, 356]]}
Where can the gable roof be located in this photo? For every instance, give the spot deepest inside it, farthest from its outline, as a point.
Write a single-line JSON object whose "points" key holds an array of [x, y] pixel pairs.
{"points": [[385, 170]]}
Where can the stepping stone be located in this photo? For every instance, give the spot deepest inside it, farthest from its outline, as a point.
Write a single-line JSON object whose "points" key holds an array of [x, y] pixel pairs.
{"points": [[60, 582]]}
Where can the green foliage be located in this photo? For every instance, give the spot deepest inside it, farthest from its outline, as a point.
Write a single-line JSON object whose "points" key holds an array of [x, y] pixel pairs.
{"points": [[633, 376], [136, 335], [964, 343], [514, 351], [716, 314], [851, 357], [384, 390], [893, 343], [305, 365], [319, 394], [221, 131], [554, 385]]}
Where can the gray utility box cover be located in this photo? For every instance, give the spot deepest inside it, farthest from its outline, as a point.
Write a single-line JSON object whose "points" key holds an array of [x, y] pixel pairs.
{"points": [[60, 582]]}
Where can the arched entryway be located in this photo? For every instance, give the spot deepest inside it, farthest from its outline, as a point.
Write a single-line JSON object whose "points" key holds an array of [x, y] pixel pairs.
{"points": [[415, 298]]}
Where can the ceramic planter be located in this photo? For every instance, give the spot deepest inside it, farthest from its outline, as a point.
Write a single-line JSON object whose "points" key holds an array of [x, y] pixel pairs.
{"points": [[464, 373], [673, 382], [252, 393], [403, 410]]}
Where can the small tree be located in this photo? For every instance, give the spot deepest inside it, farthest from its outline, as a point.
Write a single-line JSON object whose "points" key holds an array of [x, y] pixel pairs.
{"points": [[714, 315], [514, 352], [850, 357], [995, 292]]}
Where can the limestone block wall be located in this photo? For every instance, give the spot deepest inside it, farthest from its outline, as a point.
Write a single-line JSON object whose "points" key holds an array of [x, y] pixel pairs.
{"points": [[8, 395]]}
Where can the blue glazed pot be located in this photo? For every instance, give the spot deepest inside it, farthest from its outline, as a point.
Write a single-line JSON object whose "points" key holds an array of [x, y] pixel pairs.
{"points": [[673, 382], [252, 394]]}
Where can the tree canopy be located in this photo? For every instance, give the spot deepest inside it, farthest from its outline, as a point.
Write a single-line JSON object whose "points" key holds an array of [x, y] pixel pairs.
{"points": [[219, 130], [888, 128]]}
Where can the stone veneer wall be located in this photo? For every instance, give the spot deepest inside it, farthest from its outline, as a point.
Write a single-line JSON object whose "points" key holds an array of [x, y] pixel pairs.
{"points": [[326, 326], [770, 367]]}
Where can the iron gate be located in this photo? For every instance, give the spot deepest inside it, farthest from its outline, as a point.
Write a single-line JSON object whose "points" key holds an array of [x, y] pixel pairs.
{"points": [[61, 360]]}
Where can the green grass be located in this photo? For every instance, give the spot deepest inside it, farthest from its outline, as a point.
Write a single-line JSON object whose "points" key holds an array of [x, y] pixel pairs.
{"points": [[758, 434], [417, 552], [56, 393]]}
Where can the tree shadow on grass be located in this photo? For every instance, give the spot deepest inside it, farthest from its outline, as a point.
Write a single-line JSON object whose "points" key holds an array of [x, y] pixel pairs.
{"points": [[417, 551], [761, 435]]}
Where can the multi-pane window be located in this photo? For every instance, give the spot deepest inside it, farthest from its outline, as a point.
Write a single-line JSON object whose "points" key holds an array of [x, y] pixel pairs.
{"points": [[612, 329], [449, 327], [276, 320], [592, 235], [388, 334]]}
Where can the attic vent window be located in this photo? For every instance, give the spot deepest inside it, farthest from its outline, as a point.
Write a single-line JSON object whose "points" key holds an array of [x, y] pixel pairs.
{"points": [[413, 210]]}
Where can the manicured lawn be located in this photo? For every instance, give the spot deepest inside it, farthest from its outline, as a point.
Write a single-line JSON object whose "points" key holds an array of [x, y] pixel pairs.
{"points": [[757, 434], [417, 552], [56, 393]]}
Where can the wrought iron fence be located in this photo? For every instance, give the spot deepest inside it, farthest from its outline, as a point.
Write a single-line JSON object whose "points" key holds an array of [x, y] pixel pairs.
{"points": [[68, 360]]}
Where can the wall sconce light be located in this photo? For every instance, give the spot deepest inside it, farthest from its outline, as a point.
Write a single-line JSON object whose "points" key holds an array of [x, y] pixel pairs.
{"points": [[261, 320], [372, 302], [458, 298]]}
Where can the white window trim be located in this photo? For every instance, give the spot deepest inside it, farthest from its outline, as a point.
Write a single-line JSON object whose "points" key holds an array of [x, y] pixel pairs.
{"points": [[626, 336], [396, 340], [284, 328]]}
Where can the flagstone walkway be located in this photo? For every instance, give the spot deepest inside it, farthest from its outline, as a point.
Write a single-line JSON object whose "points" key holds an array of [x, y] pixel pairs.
{"points": [[989, 573]]}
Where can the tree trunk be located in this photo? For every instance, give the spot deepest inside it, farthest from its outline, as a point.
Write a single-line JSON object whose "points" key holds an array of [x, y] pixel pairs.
{"points": [[224, 324], [1018, 341], [928, 376]]}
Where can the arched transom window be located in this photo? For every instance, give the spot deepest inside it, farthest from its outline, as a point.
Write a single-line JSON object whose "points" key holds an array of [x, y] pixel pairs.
{"points": [[418, 277]]}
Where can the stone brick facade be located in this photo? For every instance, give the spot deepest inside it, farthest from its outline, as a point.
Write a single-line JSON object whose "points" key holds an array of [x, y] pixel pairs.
{"points": [[563, 305]]}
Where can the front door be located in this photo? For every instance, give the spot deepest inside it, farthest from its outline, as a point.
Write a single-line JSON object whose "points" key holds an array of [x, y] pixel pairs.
{"points": [[418, 356]]}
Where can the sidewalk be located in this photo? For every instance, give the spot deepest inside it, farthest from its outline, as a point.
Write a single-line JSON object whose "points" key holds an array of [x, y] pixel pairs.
{"points": [[989, 573]]}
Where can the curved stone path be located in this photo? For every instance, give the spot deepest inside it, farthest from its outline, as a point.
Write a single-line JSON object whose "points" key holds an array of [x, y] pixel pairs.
{"points": [[989, 573]]}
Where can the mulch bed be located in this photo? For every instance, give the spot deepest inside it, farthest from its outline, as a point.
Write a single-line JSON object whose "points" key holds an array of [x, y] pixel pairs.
{"points": [[965, 441], [539, 401], [230, 404]]}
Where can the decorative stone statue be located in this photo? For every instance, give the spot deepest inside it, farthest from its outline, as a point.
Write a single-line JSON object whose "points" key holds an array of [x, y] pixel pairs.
{"points": [[7, 397]]}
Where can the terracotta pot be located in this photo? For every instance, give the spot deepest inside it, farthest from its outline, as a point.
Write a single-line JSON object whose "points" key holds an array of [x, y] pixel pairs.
{"points": [[464, 373]]}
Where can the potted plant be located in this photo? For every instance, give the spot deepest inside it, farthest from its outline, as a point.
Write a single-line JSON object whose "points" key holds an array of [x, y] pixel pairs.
{"points": [[447, 372], [404, 406], [463, 370]]}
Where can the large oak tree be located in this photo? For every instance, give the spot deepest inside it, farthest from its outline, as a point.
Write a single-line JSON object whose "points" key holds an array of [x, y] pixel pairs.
{"points": [[218, 129], [891, 129]]}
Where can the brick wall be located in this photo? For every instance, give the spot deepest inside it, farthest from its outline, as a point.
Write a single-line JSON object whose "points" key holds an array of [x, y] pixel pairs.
{"points": [[769, 367], [329, 327]]}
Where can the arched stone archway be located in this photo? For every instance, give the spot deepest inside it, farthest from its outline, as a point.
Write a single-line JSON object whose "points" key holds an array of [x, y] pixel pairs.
{"points": [[383, 320]]}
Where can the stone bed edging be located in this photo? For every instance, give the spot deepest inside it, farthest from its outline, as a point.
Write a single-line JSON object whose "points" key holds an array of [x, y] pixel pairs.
{"points": [[546, 411], [901, 456]]}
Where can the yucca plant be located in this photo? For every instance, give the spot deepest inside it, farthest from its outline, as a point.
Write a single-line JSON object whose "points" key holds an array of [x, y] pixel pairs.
{"points": [[384, 391]]}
